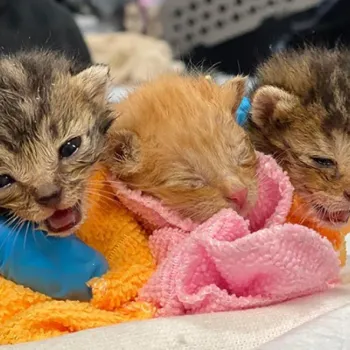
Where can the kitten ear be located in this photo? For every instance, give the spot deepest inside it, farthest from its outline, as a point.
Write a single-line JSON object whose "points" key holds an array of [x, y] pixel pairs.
{"points": [[271, 105], [94, 81], [125, 150], [234, 91]]}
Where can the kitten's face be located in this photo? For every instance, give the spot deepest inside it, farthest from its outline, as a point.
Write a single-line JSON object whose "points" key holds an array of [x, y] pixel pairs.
{"points": [[319, 167], [52, 126], [176, 139], [306, 126]]}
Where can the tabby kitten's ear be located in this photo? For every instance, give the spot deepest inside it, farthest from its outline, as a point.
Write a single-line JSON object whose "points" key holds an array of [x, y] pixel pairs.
{"points": [[94, 81], [272, 106], [234, 91], [125, 150]]}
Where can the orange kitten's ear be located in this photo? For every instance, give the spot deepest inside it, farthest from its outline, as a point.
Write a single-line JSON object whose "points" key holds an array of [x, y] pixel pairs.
{"points": [[271, 105], [94, 81], [125, 149], [234, 91]]}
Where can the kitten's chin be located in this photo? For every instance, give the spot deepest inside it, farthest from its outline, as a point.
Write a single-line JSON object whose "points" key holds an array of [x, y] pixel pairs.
{"points": [[64, 222], [332, 219]]}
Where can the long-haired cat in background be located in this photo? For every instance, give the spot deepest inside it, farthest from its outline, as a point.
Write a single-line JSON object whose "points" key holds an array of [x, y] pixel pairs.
{"points": [[132, 57], [53, 121], [176, 138]]}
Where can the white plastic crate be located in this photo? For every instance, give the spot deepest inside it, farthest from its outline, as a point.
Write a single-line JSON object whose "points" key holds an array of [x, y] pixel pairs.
{"points": [[187, 23]]}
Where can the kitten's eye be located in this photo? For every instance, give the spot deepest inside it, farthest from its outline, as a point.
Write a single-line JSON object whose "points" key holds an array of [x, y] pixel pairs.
{"points": [[323, 162], [70, 147], [195, 184], [5, 181]]}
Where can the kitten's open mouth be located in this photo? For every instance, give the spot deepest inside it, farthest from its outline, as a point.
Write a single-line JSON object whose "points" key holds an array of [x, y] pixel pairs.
{"points": [[64, 220], [340, 217]]}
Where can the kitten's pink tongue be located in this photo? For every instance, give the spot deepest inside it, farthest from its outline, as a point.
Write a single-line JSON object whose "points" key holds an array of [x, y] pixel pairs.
{"points": [[63, 220]]}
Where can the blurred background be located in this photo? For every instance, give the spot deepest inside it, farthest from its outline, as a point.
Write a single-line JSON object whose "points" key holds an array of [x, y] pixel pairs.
{"points": [[140, 39]]}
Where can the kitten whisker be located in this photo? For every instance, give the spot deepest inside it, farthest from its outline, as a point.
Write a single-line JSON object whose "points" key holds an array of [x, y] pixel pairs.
{"points": [[96, 190], [17, 233], [7, 236], [28, 225], [101, 195]]}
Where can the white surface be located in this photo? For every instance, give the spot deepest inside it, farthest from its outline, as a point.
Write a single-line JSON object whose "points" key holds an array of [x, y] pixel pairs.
{"points": [[241, 330], [119, 92], [91, 24], [330, 332]]}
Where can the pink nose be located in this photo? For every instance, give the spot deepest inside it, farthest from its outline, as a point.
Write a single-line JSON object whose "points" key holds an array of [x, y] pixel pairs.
{"points": [[240, 197]]}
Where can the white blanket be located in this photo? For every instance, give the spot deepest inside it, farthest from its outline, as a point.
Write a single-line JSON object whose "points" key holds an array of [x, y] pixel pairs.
{"points": [[241, 330]]}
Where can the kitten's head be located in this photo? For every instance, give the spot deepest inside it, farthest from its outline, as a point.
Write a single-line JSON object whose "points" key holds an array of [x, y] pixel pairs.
{"points": [[301, 115], [52, 131], [176, 138]]}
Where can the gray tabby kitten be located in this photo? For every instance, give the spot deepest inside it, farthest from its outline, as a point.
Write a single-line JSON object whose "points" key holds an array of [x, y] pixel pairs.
{"points": [[53, 121]]}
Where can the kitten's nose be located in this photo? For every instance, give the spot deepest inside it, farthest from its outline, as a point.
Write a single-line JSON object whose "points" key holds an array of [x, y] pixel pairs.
{"points": [[240, 197], [347, 195], [48, 195]]}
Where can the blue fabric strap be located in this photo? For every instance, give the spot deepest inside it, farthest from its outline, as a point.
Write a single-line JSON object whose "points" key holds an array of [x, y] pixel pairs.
{"points": [[57, 267], [243, 111]]}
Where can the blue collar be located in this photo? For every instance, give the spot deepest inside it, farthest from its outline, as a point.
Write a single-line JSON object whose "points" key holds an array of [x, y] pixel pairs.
{"points": [[243, 111]]}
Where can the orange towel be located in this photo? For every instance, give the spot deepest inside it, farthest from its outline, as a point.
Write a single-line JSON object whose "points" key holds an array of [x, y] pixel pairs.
{"points": [[336, 237], [26, 315]]}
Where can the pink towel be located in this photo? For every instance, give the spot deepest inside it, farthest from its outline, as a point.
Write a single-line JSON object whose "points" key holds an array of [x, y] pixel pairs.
{"points": [[230, 262]]}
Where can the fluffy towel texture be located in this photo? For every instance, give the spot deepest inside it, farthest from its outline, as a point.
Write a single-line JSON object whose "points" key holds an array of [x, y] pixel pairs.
{"points": [[229, 263], [26, 315]]}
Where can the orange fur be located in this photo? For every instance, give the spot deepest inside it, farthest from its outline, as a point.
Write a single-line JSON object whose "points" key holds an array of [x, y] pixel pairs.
{"points": [[176, 138]]}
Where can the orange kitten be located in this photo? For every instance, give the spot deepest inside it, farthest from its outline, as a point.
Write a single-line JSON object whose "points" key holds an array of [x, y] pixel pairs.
{"points": [[176, 138]]}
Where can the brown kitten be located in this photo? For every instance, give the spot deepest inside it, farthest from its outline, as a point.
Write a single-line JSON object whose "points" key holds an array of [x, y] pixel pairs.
{"points": [[52, 126], [176, 138], [301, 114]]}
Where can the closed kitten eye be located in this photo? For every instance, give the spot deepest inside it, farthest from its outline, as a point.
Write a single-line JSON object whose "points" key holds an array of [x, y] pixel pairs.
{"points": [[194, 183], [70, 147], [6, 181], [323, 162]]}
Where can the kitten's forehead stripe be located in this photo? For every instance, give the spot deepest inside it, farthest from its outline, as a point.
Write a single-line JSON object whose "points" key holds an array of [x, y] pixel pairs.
{"points": [[13, 76], [54, 130], [7, 142], [317, 76], [26, 83]]}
